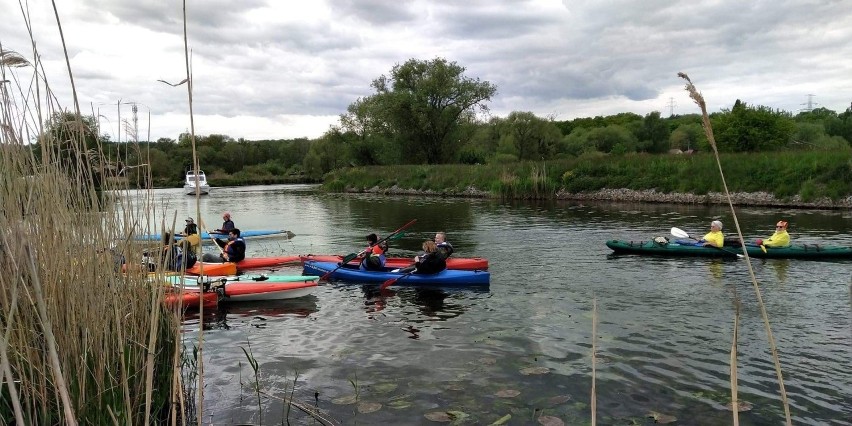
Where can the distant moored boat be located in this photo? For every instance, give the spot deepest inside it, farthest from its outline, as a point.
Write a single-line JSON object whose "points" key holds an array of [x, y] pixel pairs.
{"points": [[189, 185]]}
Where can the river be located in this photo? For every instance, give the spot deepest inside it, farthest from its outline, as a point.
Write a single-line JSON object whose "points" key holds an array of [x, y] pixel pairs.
{"points": [[522, 347]]}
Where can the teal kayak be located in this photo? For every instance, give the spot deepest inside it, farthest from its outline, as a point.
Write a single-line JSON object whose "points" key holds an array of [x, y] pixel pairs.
{"points": [[795, 251], [205, 236]]}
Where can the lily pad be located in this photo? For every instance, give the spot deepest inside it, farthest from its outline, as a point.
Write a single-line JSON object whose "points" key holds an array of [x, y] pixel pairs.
{"points": [[488, 361], [507, 393], [454, 386], [368, 407], [345, 400], [550, 421], [385, 387], [661, 418], [741, 406], [439, 416], [558, 399], [529, 371], [399, 405]]}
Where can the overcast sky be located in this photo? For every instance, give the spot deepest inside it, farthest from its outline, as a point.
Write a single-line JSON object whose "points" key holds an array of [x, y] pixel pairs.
{"points": [[269, 69]]}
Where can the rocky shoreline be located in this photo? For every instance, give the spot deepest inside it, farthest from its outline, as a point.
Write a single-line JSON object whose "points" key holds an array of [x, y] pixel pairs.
{"points": [[758, 199]]}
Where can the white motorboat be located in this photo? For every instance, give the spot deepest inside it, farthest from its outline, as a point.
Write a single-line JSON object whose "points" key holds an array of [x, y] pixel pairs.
{"points": [[189, 185]]}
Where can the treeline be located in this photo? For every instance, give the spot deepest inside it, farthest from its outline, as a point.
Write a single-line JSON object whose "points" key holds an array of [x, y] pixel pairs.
{"points": [[430, 112]]}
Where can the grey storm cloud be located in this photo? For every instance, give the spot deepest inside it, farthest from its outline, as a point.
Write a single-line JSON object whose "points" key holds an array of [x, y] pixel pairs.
{"points": [[316, 58]]}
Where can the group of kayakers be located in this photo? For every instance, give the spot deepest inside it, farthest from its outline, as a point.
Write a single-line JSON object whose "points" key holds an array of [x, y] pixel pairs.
{"points": [[177, 255], [431, 260], [715, 238]]}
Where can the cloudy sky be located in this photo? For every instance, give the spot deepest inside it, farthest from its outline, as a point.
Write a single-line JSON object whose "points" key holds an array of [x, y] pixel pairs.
{"points": [[282, 69]]}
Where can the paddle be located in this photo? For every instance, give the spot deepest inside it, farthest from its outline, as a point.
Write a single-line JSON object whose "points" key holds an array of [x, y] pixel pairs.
{"points": [[215, 242], [680, 233], [351, 256], [393, 281]]}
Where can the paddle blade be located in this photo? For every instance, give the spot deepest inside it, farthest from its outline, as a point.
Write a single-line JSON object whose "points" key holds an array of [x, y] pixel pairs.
{"points": [[388, 283], [349, 258], [680, 233]]}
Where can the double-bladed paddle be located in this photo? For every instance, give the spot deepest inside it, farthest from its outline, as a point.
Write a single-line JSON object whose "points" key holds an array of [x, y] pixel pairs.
{"points": [[680, 233], [393, 281], [352, 256]]}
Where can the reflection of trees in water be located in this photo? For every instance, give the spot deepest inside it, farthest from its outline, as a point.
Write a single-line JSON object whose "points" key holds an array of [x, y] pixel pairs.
{"points": [[256, 313], [362, 214]]}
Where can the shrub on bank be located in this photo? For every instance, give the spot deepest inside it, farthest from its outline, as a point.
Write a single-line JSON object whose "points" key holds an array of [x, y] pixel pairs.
{"points": [[808, 174]]}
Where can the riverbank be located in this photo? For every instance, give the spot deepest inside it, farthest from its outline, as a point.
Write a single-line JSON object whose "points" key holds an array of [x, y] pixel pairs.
{"points": [[755, 199], [800, 179]]}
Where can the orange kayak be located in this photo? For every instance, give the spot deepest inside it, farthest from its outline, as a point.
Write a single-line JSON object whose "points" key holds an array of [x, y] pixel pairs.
{"points": [[190, 299], [230, 268], [456, 263]]}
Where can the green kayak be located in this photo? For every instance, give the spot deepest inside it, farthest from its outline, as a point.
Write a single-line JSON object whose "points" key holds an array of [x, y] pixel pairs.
{"points": [[795, 251]]}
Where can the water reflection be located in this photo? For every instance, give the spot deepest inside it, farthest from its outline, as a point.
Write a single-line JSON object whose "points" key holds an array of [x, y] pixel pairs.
{"points": [[433, 303], [258, 314]]}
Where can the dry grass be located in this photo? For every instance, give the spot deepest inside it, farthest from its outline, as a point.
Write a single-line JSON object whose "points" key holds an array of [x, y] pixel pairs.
{"points": [[708, 130], [82, 341]]}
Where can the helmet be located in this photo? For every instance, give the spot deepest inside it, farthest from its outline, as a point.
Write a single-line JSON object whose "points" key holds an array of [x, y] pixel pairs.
{"points": [[781, 224]]}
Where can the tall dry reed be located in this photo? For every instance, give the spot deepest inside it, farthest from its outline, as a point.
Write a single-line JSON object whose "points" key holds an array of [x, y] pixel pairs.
{"points": [[82, 341], [708, 130]]}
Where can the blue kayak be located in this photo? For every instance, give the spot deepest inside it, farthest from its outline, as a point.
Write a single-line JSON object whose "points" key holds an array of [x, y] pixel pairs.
{"points": [[206, 237], [447, 277]]}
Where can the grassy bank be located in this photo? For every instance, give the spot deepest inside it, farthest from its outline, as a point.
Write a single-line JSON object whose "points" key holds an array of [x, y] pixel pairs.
{"points": [[808, 174]]}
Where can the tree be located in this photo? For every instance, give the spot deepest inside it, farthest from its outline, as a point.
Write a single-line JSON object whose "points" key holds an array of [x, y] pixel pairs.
{"points": [[653, 134], [531, 137], [746, 128], [688, 137], [422, 105]]}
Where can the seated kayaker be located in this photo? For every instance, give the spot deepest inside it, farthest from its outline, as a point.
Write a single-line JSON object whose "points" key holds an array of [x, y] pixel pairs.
{"points": [[374, 255], [431, 261], [233, 250], [190, 229], [714, 238], [227, 224], [444, 246], [779, 239]]}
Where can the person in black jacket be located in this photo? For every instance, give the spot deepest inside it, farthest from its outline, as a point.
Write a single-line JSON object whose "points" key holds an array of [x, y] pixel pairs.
{"points": [[233, 250], [431, 261]]}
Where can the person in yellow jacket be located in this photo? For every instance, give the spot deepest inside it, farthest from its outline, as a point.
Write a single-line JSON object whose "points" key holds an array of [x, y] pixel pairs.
{"points": [[779, 239], [714, 238]]}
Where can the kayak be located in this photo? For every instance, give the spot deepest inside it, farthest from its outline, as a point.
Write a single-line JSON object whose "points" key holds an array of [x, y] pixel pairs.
{"points": [[795, 251], [230, 268], [460, 263], [206, 237], [447, 277], [174, 299], [248, 289]]}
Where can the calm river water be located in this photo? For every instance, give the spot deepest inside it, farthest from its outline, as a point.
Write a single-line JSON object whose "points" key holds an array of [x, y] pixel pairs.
{"points": [[522, 346]]}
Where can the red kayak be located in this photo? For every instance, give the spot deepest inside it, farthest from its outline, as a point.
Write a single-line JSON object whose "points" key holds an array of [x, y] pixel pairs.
{"points": [[190, 299], [250, 290], [457, 263], [230, 268]]}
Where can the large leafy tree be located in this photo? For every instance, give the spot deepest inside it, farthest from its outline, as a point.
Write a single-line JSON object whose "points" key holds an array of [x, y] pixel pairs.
{"points": [[422, 106], [745, 128], [530, 137]]}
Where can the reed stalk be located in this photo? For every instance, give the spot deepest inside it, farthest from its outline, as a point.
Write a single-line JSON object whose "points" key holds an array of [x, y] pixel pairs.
{"points": [[594, 399], [708, 130], [72, 322]]}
